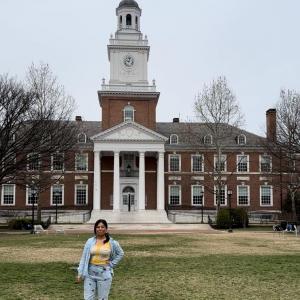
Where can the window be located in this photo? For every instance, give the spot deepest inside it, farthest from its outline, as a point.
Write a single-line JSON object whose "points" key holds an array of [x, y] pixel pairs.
{"points": [[222, 195], [197, 163], [81, 138], [197, 195], [242, 163], [265, 163], [208, 140], [174, 194], [220, 165], [243, 195], [58, 162], [8, 194], [128, 20], [266, 195], [174, 139], [241, 139], [57, 194], [81, 162], [81, 195], [128, 113], [174, 163], [31, 196], [33, 162]]}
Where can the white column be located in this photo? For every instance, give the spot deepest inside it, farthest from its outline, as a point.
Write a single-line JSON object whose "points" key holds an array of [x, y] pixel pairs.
{"points": [[97, 183], [116, 190], [142, 181], [160, 182]]}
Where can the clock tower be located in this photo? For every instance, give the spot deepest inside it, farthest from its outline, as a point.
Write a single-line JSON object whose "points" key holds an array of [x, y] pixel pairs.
{"points": [[128, 54]]}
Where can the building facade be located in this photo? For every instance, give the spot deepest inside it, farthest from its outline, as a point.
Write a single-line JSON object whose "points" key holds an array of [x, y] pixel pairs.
{"points": [[130, 168]]}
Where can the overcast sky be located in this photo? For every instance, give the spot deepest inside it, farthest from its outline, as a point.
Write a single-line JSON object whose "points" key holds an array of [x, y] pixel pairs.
{"points": [[254, 43]]}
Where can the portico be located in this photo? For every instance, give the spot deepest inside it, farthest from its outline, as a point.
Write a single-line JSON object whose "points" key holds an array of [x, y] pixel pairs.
{"points": [[130, 144]]}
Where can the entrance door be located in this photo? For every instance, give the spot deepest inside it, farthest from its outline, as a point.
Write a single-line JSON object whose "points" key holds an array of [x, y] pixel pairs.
{"points": [[128, 198]]}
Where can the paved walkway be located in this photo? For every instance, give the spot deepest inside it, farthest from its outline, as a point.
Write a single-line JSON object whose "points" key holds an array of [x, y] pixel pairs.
{"points": [[136, 228]]}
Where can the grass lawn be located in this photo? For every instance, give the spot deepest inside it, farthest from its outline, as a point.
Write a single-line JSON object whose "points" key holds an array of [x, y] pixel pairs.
{"points": [[242, 265]]}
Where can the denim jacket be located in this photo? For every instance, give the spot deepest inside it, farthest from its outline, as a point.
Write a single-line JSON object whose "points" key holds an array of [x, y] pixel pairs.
{"points": [[116, 255]]}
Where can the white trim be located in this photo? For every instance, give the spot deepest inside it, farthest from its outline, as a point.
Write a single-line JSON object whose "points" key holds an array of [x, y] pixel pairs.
{"points": [[169, 160], [192, 195], [63, 163], [225, 161], [2, 195], [215, 195], [27, 163], [169, 194], [130, 108], [202, 164], [63, 195], [248, 195], [260, 159], [27, 194], [238, 160], [79, 135], [238, 139], [86, 191], [171, 136], [271, 196]]}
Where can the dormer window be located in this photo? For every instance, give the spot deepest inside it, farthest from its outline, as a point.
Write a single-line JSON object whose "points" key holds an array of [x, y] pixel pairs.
{"points": [[128, 20], [207, 139], [128, 113], [174, 139], [241, 139], [81, 138]]}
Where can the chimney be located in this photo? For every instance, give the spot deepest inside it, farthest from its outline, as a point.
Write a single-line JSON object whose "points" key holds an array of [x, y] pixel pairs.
{"points": [[175, 120], [271, 124], [78, 118]]}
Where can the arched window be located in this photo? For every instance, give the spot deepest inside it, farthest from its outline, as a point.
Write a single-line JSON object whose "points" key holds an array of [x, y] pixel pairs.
{"points": [[81, 138], [173, 139], [128, 20], [121, 21], [136, 22], [128, 113], [241, 139], [207, 139]]}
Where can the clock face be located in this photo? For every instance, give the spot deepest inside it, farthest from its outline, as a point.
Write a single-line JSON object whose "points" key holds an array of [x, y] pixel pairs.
{"points": [[128, 61]]}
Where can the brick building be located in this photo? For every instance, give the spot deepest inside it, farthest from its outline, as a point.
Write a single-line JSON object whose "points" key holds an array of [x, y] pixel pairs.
{"points": [[131, 168]]}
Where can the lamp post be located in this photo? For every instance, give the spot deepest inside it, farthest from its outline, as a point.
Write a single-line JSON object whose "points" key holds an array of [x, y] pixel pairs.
{"points": [[56, 195], [229, 194], [201, 195], [33, 192]]}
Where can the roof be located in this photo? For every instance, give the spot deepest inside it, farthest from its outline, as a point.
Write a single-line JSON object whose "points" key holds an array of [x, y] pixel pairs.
{"points": [[128, 3], [190, 135]]}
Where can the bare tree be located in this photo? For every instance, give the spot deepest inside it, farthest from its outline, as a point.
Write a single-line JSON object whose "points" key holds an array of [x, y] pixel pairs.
{"points": [[35, 126], [217, 107], [285, 148]]}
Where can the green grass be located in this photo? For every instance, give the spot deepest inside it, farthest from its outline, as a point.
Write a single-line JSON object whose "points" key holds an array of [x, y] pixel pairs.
{"points": [[157, 267]]}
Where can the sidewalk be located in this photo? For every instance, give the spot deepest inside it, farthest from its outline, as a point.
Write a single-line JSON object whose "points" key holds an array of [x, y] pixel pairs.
{"points": [[136, 228]]}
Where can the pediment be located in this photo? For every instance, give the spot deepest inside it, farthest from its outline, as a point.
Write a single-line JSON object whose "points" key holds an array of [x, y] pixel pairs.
{"points": [[129, 131]]}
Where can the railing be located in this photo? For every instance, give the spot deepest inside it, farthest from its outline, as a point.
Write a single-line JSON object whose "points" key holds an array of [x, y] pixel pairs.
{"points": [[113, 42], [132, 173], [128, 88]]}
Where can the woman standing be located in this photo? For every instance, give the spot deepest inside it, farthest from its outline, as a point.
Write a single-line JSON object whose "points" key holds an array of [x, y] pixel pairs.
{"points": [[100, 255]]}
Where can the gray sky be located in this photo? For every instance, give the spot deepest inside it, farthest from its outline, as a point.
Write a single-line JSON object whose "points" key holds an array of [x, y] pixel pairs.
{"points": [[254, 43]]}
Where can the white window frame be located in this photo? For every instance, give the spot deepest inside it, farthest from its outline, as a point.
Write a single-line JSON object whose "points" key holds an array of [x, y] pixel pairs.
{"points": [[128, 108], [225, 162], [27, 195], [63, 195], [39, 162], [239, 141], [79, 137], [202, 163], [179, 157], [192, 194], [260, 162], [14, 195], [238, 160], [63, 163], [205, 139], [87, 194], [271, 196], [169, 195], [172, 141], [238, 195], [87, 162], [215, 195]]}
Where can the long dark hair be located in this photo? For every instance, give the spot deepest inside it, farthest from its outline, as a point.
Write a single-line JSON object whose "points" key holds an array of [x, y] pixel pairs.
{"points": [[105, 225]]}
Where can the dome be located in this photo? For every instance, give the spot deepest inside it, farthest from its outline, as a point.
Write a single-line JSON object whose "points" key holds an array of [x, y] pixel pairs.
{"points": [[128, 3]]}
